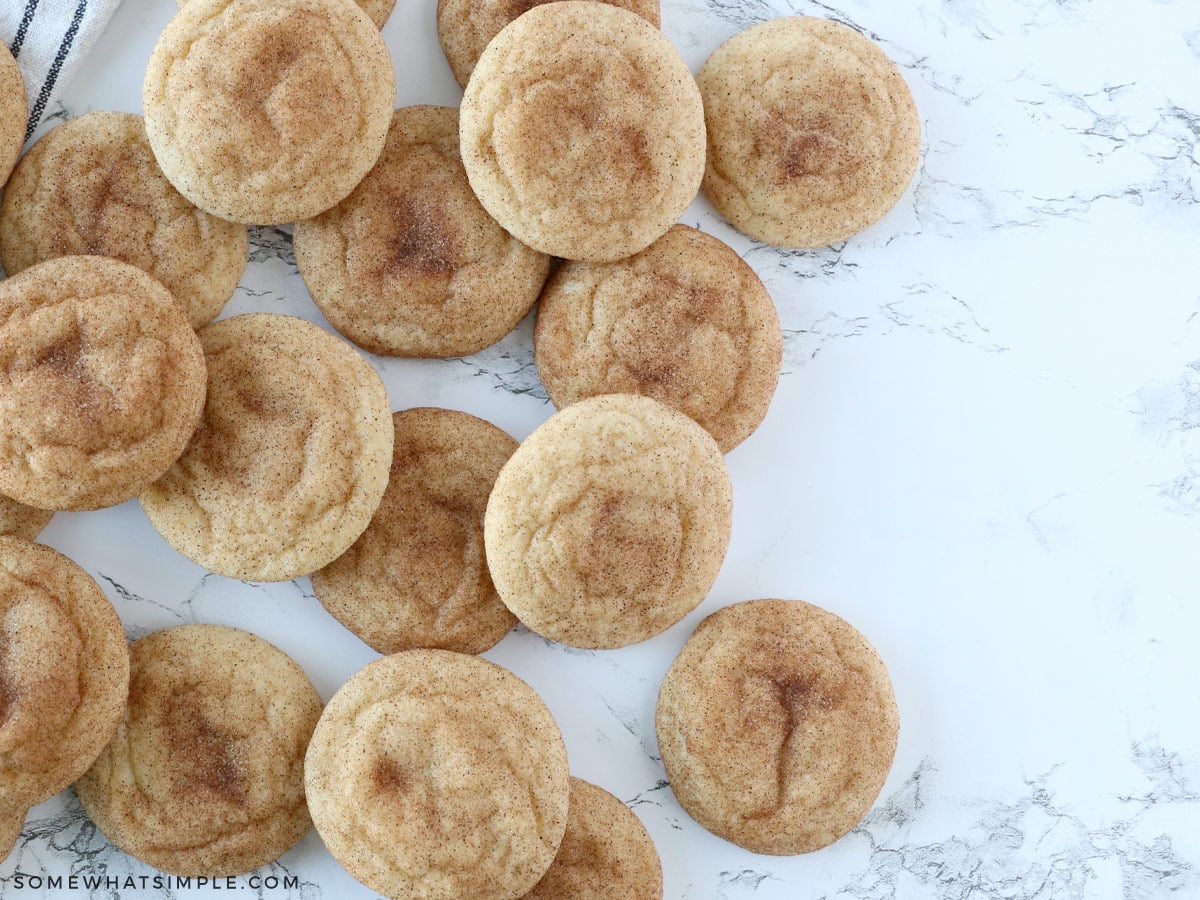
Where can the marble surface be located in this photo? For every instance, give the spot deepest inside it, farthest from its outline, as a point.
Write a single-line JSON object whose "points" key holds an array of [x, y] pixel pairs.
{"points": [[984, 453]]}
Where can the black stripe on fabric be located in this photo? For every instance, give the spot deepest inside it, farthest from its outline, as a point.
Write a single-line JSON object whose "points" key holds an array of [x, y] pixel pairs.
{"points": [[52, 76], [23, 29]]}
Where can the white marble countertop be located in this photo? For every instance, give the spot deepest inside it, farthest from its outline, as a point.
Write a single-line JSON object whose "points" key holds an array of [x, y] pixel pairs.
{"points": [[983, 453]]}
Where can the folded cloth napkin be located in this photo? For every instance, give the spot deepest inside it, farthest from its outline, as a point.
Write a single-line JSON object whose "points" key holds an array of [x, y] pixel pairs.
{"points": [[49, 39]]}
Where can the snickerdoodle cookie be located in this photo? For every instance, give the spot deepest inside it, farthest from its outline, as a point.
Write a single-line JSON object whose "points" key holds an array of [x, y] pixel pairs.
{"points": [[777, 726], [685, 321], [205, 773], [418, 576], [101, 383], [439, 775], [291, 456], [268, 111], [19, 520], [64, 676], [610, 522], [583, 131], [812, 133], [605, 853], [466, 27], [14, 112], [91, 186], [410, 264], [378, 10]]}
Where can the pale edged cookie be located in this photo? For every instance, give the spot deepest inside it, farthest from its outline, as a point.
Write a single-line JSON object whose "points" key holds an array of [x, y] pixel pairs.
{"points": [[466, 27], [410, 264], [14, 112], [291, 456], [610, 522], [378, 10], [418, 577], [605, 852], [777, 726], [685, 321], [437, 775], [91, 186], [102, 382], [582, 131], [268, 111], [204, 775], [64, 676], [19, 520], [813, 134]]}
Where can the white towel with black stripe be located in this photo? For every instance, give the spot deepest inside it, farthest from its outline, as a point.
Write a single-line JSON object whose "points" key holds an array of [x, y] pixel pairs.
{"points": [[49, 39]]}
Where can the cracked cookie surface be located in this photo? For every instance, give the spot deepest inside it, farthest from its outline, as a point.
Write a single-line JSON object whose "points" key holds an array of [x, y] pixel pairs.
{"points": [[378, 10], [91, 186], [418, 577], [610, 522], [685, 321], [204, 774], [291, 456], [102, 383], [582, 131], [410, 264], [813, 134], [605, 852], [14, 112], [439, 775], [267, 112], [64, 676], [777, 726]]}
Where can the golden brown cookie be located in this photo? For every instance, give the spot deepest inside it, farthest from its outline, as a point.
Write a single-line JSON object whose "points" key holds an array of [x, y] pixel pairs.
{"points": [[205, 773], [610, 522], [291, 456], [418, 577], [268, 111], [436, 775], [583, 131], [378, 10], [410, 264], [91, 186], [466, 27], [19, 520], [812, 133], [777, 726], [14, 113], [685, 321], [64, 676], [101, 383], [605, 853]]}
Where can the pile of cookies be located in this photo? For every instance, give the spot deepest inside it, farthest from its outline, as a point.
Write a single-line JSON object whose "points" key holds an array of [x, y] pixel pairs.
{"points": [[264, 448]]}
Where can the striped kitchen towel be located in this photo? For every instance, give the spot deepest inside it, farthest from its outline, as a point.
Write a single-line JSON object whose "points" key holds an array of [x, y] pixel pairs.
{"points": [[49, 39]]}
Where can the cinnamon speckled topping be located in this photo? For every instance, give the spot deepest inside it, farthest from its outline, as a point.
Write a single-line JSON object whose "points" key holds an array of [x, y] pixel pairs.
{"points": [[14, 113]]}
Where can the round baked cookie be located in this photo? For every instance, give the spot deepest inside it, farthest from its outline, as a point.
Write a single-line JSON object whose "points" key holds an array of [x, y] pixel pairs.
{"points": [[466, 27], [64, 676], [418, 576], [605, 852], [812, 132], [410, 264], [14, 112], [91, 186], [777, 726], [438, 775], [268, 111], [101, 383], [610, 522], [291, 456], [685, 321], [582, 131], [378, 10], [205, 773], [19, 520]]}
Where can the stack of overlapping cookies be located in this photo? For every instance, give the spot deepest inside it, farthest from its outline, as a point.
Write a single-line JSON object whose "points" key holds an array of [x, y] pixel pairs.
{"points": [[264, 447]]}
